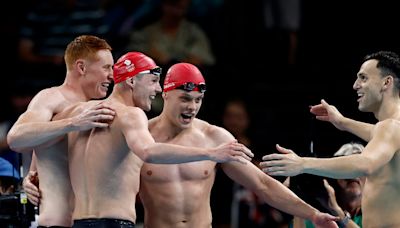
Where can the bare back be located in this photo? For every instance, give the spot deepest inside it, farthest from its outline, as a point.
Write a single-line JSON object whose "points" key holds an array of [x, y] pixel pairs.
{"points": [[52, 166], [183, 190], [104, 172], [381, 202]]}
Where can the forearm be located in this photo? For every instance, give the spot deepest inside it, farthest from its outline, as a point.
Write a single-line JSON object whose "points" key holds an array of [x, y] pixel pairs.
{"points": [[163, 153], [360, 129], [282, 198], [30, 135], [339, 168], [342, 215]]}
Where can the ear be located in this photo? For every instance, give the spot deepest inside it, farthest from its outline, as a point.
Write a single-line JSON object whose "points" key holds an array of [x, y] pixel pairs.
{"points": [[131, 82], [387, 81], [80, 66]]}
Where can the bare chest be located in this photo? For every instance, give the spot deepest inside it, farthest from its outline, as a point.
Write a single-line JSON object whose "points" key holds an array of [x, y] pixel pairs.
{"points": [[193, 171]]}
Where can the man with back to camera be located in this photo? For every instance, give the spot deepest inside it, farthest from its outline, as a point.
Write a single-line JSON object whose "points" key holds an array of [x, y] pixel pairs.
{"points": [[105, 163], [89, 73], [377, 86]]}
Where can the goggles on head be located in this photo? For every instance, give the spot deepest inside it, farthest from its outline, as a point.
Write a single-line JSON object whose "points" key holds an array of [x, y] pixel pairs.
{"points": [[156, 71], [190, 86]]}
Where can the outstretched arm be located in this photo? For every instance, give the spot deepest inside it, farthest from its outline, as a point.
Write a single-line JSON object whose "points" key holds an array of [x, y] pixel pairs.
{"points": [[275, 193], [267, 188], [326, 112], [134, 125], [376, 154], [35, 127]]}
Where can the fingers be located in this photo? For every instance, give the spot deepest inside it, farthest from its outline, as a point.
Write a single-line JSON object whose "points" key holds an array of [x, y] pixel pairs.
{"points": [[326, 184], [34, 200], [270, 157], [241, 155], [283, 150], [33, 193], [242, 148]]}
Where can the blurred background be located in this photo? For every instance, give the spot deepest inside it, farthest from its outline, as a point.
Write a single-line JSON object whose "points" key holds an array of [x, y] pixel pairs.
{"points": [[277, 57]]}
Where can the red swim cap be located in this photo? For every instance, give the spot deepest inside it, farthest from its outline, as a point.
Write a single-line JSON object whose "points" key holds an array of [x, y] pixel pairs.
{"points": [[133, 63], [182, 73]]}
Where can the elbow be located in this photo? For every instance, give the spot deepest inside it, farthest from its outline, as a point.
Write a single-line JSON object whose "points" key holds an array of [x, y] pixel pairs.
{"points": [[12, 142], [146, 155], [367, 169]]}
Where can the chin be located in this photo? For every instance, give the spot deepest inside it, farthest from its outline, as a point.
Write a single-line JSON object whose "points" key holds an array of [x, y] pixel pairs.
{"points": [[362, 108], [146, 108]]}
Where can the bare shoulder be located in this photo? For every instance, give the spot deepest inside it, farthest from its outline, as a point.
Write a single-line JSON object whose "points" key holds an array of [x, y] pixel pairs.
{"points": [[214, 132], [48, 96], [388, 130], [128, 115], [48, 100], [388, 125]]}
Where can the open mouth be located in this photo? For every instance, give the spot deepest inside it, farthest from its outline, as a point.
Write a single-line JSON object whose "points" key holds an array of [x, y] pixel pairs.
{"points": [[105, 85], [186, 117], [360, 96]]}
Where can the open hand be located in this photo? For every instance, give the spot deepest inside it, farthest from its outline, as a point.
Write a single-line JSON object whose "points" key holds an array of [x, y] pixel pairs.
{"points": [[285, 164]]}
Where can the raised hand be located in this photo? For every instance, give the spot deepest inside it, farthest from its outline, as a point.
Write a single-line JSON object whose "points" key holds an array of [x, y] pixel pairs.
{"points": [[99, 115], [326, 112], [30, 185], [232, 151], [332, 203], [285, 164]]}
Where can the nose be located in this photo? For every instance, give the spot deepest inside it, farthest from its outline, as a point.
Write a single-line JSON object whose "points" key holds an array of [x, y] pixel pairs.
{"points": [[356, 85], [110, 76], [192, 105], [158, 88]]}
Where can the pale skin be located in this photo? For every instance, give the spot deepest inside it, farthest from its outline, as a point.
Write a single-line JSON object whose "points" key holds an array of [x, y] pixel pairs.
{"points": [[36, 130], [105, 163], [179, 195], [380, 160]]}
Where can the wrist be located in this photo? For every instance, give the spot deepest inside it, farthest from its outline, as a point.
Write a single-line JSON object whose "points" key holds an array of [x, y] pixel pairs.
{"points": [[70, 125], [345, 219]]}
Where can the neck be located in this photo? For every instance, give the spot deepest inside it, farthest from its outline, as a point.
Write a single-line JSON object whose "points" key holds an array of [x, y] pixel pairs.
{"points": [[122, 95], [390, 108], [76, 92], [168, 128]]}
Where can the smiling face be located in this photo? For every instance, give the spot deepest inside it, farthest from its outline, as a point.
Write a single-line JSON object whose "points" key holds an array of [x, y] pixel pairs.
{"points": [[145, 89], [181, 107], [98, 74], [369, 87]]}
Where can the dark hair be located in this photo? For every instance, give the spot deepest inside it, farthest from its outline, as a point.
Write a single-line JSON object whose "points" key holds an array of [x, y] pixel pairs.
{"points": [[388, 64]]}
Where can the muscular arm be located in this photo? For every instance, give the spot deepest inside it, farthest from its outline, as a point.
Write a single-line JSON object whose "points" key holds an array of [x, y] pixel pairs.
{"points": [[326, 112], [358, 128], [379, 151], [38, 126], [134, 125], [268, 189], [34, 127]]}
